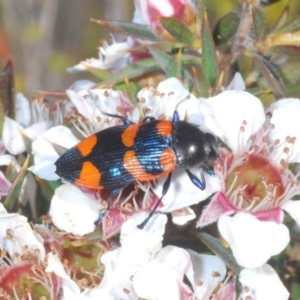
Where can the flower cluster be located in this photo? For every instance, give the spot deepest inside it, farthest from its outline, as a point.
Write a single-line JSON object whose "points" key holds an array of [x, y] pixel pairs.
{"points": [[245, 209]]}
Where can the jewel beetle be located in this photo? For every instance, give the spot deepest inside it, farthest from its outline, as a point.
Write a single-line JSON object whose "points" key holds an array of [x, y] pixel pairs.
{"points": [[117, 156]]}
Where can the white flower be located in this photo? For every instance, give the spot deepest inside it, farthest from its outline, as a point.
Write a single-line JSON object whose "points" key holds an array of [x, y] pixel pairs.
{"points": [[93, 104], [162, 101], [252, 241], [142, 268], [256, 183], [111, 57], [44, 153], [12, 134], [16, 234], [73, 211], [262, 283]]}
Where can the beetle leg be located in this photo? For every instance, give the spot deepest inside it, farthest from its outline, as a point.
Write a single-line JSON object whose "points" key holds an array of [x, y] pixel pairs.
{"points": [[199, 183], [175, 117], [105, 211], [166, 186], [125, 121]]}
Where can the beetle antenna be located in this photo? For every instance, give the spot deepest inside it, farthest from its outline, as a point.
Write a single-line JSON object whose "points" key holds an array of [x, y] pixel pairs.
{"points": [[166, 186], [183, 100]]}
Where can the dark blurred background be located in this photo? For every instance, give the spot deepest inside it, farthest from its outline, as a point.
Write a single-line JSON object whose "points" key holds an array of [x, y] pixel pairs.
{"points": [[44, 37]]}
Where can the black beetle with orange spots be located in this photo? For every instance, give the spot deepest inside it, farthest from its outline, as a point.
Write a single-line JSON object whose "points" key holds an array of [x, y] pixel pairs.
{"points": [[117, 156]]}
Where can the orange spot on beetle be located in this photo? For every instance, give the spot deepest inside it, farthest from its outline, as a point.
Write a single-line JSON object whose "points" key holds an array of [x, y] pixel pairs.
{"points": [[167, 160], [129, 135], [164, 127], [89, 177], [133, 166], [86, 146]]}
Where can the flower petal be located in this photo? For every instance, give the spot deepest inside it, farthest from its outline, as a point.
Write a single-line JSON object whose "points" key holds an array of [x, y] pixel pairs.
{"points": [[262, 283], [182, 216], [221, 117], [285, 118], [139, 246], [111, 57], [163, 100], [20, 236], [12, 137], [217, 207], [73, 211], [44, 153], [209, 271], [252, 241], [156, 281], [182, 192]]}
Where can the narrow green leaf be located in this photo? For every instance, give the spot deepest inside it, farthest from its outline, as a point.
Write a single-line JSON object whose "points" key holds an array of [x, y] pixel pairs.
{"points": [[168, 64], [295, 291], [132, 71], [130, 91], [259, 22], [269, 2], [128, 28], [201, 83], [14, 192], [98, 73], [180, 32], [27, 141], [166, 46], [90, 238], [209, 58], [289, 72], [271, 75], [216, 247], [288, 50], [294, 231], [289, 26], [47, 187], [226, 27], [143, 67]]}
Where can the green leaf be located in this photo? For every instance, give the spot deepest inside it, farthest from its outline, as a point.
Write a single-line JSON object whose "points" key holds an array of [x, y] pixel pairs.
{"points": [[180, 32], [143, 67], [289, 26], [294, 231], [209, 58], [166, 46], [90, 238], [226, 27], [130, 89], [47, 187], [201, 83], [289, 72], [132, 71], [98, 73], [295, 291], [14, 192], [271, 75], [288, 50], [168, 64], [216, 247], [259, 22], [128, 28]]}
